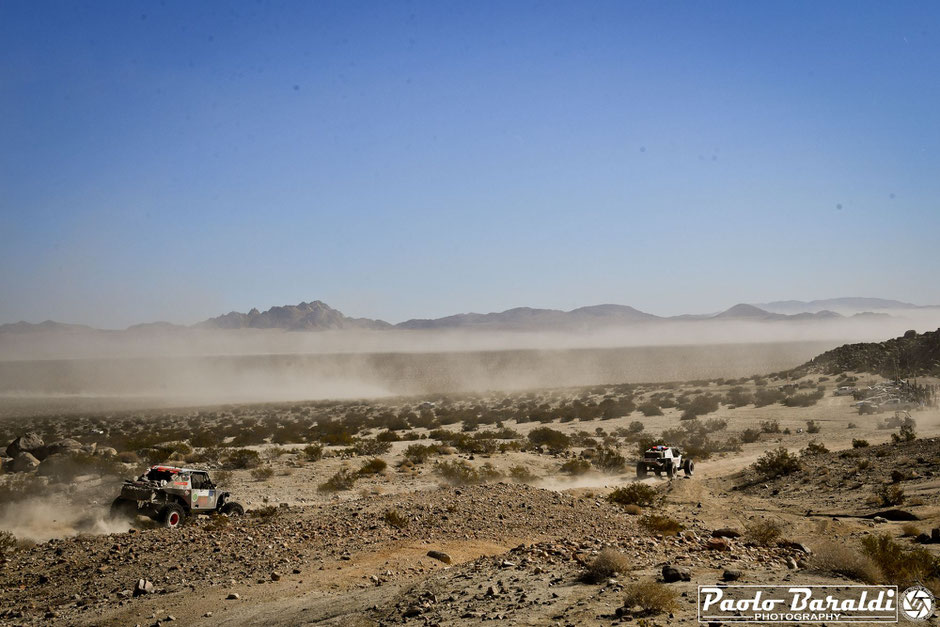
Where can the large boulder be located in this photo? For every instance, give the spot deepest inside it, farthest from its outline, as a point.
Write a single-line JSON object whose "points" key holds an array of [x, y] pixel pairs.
{"points": [[24, 462], [27, 443]]}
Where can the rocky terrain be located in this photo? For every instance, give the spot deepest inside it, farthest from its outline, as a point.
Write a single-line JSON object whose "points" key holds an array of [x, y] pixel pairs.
{"points": [[519, 508]]}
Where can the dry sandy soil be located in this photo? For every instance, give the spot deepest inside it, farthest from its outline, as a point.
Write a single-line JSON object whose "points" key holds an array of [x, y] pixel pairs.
{"points": [[518, 552]]}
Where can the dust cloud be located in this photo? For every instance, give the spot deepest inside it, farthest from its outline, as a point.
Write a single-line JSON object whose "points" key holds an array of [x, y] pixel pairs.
{"points": [[43, 518]]}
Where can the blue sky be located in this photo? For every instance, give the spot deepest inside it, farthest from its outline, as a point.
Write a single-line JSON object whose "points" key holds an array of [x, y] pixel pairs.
{"points": [[396, 160]]}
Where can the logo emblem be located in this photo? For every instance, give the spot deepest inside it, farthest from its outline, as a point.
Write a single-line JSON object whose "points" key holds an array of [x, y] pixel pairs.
{"points": [[917, 604]]}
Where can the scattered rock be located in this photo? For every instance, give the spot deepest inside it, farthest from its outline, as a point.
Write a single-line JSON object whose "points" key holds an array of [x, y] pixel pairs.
{"points": [[440, 556], [731, 575], [233, 596], [726, 533], [27, 443], [671, 574], [718, 544], [143, 587]]}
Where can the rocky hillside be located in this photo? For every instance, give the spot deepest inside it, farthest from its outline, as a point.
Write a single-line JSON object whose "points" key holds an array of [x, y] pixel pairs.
{"points": [[911, 355], [315, 315]]}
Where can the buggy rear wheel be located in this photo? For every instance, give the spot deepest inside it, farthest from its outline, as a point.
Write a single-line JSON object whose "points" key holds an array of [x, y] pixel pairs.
{"points": [[670, 470], [232, 509], [689, 467], [123, 508], [172, 516], [641, 470]]}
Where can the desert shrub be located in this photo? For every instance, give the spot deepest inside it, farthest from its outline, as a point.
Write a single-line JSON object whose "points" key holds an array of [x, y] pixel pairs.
{"points": [[763, 532], [897, 476], [262, 473], [222, 477], [910, 530], [803, 400], [776, 463], [633, 510], [633, 494], [636, 426], [891, 495], [373, 467], [901, 565], [651, 597], [648, 409], [839, 559], [656, 523], [812, 426], [765, 396], [904, 434], [702, 404], [276, 451], [395, 518], [851, 425], [242, 458], [344, 479], [609, 460], [738, 397], [770, 426], [7, 542], [371, 448], [859, 443], [576, 466], [521, 474], [551, 438], [714, 424], [419, 453], [459, 472], [749, 436], [388, 436], [815, 448], [608, 563], [313, 452]]}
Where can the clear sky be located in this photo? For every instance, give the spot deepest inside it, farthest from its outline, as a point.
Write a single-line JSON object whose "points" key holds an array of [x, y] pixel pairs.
{"points": [[177, 160]]}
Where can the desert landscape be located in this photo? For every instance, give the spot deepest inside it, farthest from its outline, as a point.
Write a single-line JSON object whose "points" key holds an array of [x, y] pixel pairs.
{"points": [[521, 507]]}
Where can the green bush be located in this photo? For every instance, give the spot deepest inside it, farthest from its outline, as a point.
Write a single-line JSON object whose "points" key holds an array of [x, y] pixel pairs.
{"points": [[553, 439], [776, 463], [345, 479], [576, 466], [633, 494], [313, 452], [242, 458], [373, 466]]}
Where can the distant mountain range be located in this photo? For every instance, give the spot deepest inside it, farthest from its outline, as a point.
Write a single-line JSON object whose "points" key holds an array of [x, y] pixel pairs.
{"points": [[318, 316], [852, 304]]}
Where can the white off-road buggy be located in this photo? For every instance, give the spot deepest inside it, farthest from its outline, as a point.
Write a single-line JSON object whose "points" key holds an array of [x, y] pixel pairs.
{"points": [[168, 494], [664, 459]]}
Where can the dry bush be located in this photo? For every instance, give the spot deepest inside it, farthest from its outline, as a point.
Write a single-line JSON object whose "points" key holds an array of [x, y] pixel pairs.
{"points": [[262, 473], [856, 443], [776, 463], [651, 597], [609, 460], [608, 563], [664, 525], [396, 519], [242, 458], [459, 472], [576, 466], [373, 467], [910, 530], [891, 495], [763, 532], [521, 474], [815, 448], [633, 510], [313, 452], [345, 479], [901, 565], [839, 559], [7, 542], [633, 494], [420, 453]]}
